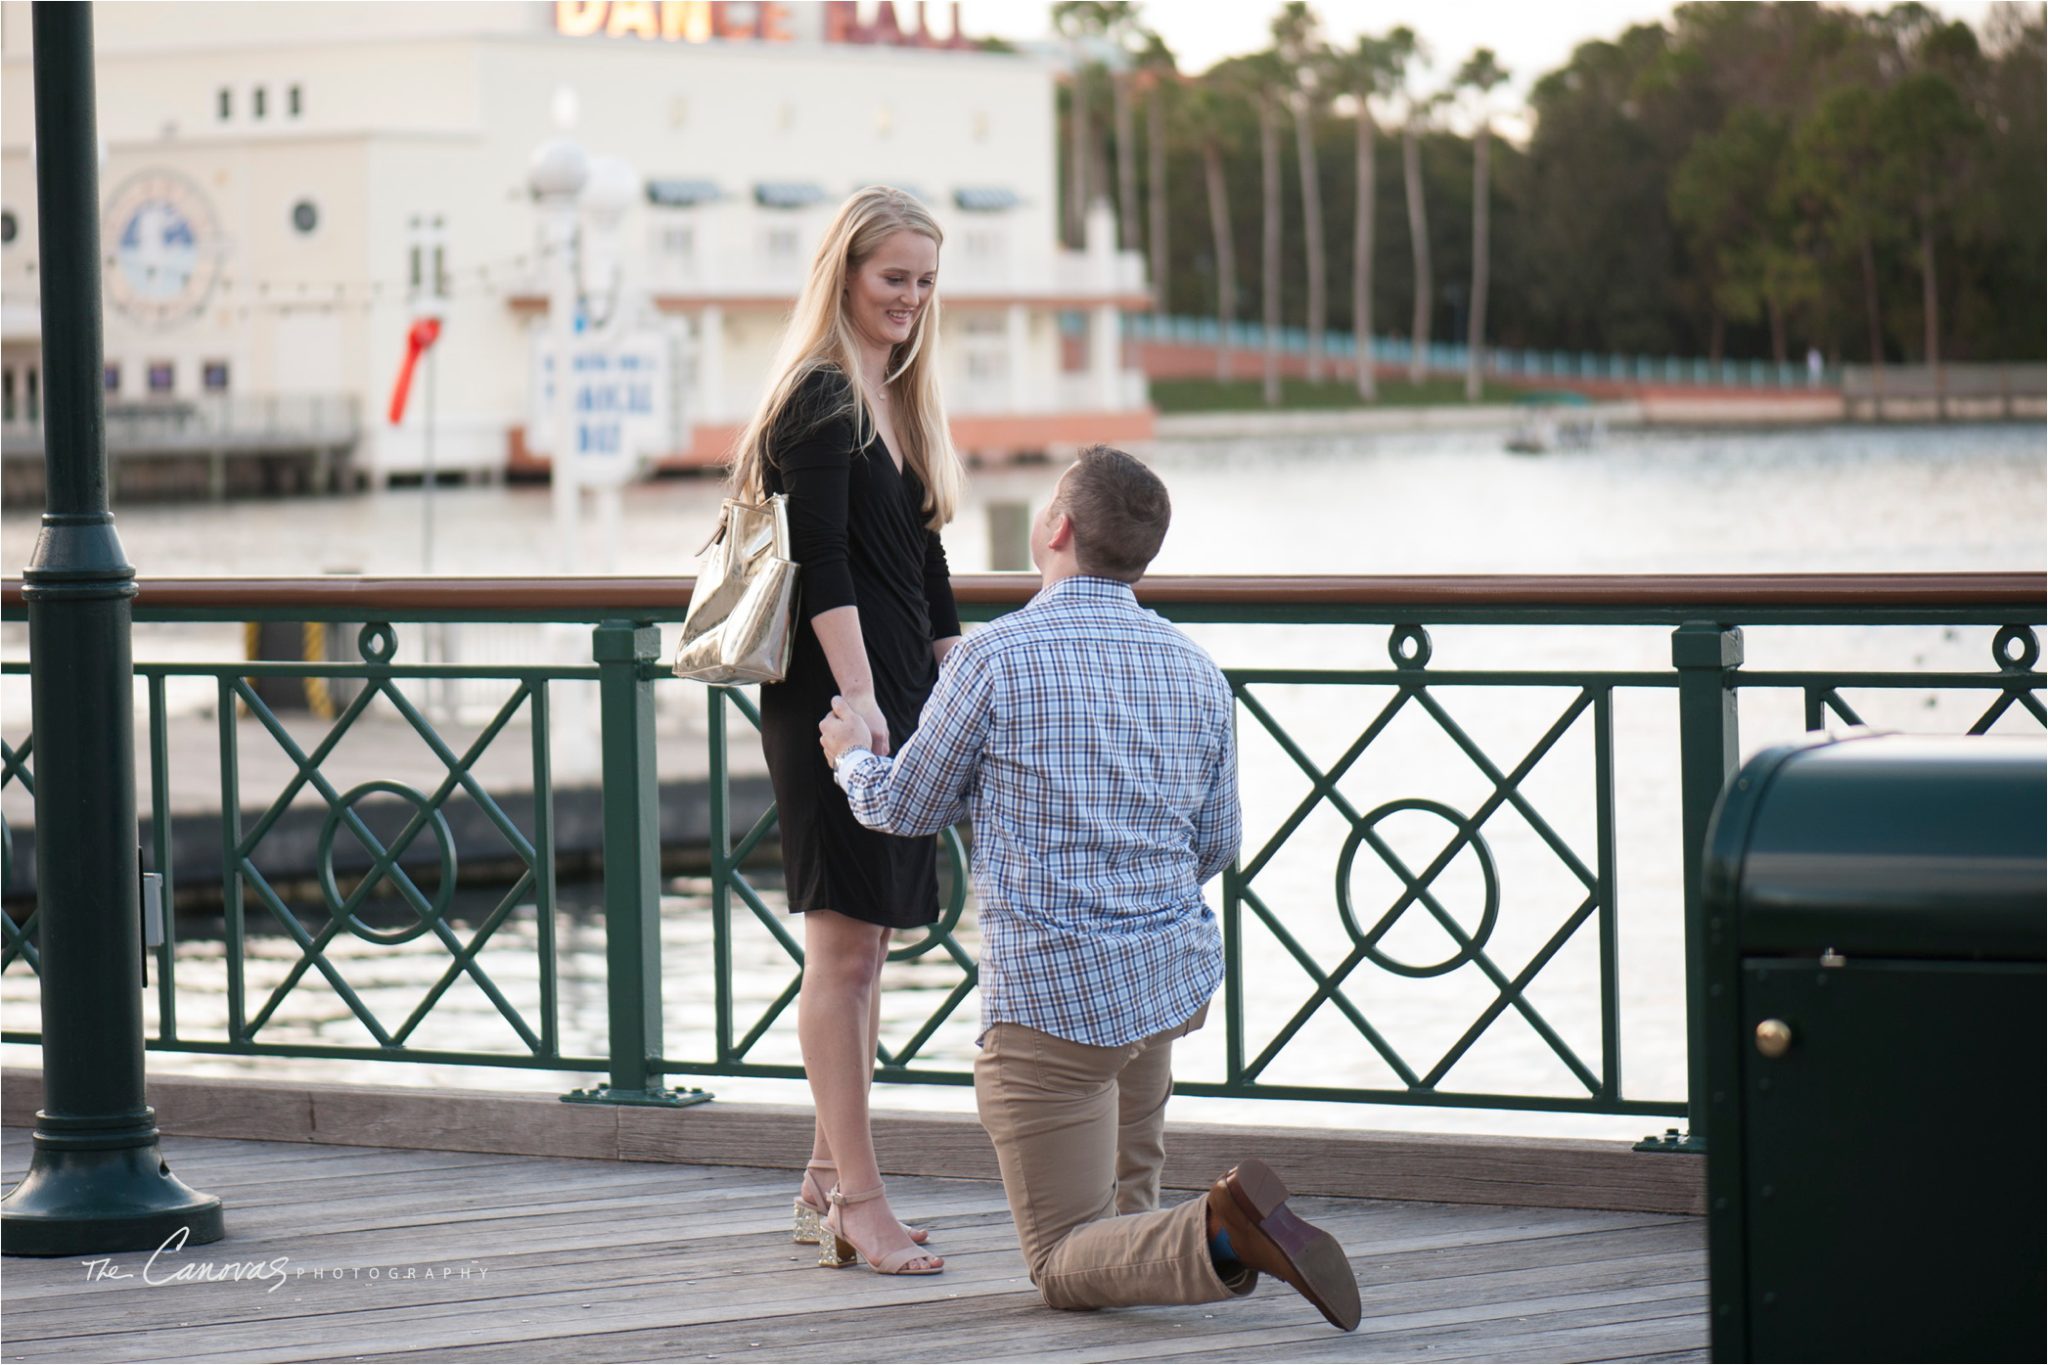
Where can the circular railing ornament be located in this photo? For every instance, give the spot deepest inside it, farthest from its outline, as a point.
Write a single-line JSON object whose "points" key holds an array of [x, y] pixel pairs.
{"points": [[377, 642], [1489, 912], [381, 866], [1410, 647], [949, 917], [2016, 648]]}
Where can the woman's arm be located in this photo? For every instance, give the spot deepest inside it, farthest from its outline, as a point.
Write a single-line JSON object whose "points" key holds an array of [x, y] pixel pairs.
{"points": [[938, 597], [847, 653], [815, 459]]}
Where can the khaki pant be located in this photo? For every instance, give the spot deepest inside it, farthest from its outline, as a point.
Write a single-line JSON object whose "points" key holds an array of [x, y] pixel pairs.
{"points": [[1079, 1132]]}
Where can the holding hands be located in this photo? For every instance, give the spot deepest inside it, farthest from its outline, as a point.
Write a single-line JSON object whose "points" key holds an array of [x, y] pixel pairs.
{"points": [[856, 724]]}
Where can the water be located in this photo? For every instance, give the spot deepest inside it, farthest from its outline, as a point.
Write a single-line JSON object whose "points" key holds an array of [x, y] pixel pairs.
{"points": [[1836, 499]]}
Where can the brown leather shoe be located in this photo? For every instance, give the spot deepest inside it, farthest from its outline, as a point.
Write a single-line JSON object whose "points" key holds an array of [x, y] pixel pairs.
{"points": [[1251, 1205]]}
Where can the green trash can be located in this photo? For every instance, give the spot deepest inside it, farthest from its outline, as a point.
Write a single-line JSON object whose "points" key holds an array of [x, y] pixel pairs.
{"points": [[1876, 1061]]}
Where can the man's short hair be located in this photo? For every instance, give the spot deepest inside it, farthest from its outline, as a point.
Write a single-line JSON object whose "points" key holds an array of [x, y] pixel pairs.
{"points": [[1120, 511]]}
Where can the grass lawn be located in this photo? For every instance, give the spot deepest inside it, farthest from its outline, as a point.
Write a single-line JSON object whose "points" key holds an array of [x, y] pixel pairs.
{"points": [[1245, 395]]}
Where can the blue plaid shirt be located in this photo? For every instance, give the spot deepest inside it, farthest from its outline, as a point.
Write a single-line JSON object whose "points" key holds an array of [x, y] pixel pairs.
{"points": [[1091, 743]]}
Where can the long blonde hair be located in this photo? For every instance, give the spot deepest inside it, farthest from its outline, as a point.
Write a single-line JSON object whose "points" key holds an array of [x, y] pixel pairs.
{"points": [[820, 336]]}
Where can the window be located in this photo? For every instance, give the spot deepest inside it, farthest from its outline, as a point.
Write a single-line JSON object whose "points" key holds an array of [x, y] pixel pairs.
{"points": [[257, 101], [986, 244], [9, 228], [215, 374], [226, 104], [162, 376], [305, 215], [294, 105], [112, 378], [32, 394], [6, 395], [985, 340], [780, 243], [679, 242]]}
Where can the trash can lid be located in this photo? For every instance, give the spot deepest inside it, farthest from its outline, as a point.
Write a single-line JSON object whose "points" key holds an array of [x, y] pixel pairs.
{"points": [[1886, 845]]}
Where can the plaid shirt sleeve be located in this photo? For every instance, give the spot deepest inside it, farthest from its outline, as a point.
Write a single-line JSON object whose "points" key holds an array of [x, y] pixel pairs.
{"points": [[925, 788], [1219, 820]]}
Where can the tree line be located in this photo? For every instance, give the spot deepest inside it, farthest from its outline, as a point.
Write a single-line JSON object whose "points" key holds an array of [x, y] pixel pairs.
{"points": [[1741, 181]]}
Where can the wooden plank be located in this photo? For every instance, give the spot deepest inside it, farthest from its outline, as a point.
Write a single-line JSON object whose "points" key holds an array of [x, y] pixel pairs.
{"points": [[619, 1302], [1530, 1172], [985, 1327], [590, 1260]]}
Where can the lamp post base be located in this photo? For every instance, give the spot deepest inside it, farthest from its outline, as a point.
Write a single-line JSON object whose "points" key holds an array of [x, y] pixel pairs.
{"points": [[75, 1201]]}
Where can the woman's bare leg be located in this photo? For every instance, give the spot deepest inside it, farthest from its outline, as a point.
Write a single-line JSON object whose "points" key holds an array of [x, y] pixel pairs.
{"points": [[821, 1146], [835, 1018]]}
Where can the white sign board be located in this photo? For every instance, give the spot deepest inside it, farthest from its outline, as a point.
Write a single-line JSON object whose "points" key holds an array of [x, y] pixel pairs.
{"points": [[625, 401]]}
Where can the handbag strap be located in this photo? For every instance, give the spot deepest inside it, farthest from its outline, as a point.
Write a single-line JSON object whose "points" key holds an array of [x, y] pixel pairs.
{"points": [[724, 514]]}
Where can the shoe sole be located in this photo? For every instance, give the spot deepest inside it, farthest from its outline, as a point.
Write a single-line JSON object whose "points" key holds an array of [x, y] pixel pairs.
{"points": [[1315, 1265]]}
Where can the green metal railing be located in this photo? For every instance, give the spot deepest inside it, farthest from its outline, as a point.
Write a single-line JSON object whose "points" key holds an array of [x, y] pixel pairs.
{"points": [[1705, 616]]}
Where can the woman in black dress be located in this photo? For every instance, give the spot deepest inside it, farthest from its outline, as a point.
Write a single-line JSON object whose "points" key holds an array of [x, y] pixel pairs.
{"points": [[853, 432]]}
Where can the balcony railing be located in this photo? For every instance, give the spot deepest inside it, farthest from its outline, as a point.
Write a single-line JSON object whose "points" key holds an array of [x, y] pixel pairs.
{"points": [[214, 422], [1305, 1008]]}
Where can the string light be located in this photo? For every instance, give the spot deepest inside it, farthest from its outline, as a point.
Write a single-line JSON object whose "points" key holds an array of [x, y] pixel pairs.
{"points": [[492, 279]]}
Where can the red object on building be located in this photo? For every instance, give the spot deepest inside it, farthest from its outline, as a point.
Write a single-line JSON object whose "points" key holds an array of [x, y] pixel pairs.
{"points": [[418, 338]]}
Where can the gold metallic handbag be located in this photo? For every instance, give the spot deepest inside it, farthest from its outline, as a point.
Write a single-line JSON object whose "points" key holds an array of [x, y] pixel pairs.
{"points": [[741, 624]]}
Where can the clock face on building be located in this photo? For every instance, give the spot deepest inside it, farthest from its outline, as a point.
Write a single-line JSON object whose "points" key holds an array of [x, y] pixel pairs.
{"points": [[163, 249]]}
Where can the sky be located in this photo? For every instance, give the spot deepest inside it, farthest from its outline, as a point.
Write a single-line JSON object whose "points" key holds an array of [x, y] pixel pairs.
{"points": [[1529, 39]]}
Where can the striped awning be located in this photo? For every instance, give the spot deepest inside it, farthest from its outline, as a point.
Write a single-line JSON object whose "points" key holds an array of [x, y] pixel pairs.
{"points": [[682, 194], [914, 191], [788, 194], [986, 198]]}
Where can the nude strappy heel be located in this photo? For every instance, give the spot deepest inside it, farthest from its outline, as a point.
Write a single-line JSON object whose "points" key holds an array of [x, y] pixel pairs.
{"points": [[808, 1219], [835, 1251]]}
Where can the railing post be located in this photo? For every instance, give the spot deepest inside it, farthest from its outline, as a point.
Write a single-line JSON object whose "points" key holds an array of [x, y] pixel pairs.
{"points": [[1706, 656], [97, 1181], [720, 819], [625, 652]]}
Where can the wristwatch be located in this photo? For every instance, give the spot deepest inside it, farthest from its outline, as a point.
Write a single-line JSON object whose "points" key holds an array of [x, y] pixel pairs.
{"points": [[848, 761]]}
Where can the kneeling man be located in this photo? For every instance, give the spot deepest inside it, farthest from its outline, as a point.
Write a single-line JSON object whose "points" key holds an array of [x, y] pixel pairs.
{"points": [[1091, 743]]}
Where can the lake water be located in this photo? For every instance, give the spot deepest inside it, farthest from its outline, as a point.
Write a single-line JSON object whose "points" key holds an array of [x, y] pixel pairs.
{"points": [[1833, 499]]}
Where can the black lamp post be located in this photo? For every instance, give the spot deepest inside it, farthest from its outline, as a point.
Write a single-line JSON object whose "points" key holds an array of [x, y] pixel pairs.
{"points": [[97, 1181]]}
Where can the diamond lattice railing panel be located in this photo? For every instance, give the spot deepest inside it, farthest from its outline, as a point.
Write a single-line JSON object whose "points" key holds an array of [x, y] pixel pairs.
{"points": [[370, 894], [1419, 880]]}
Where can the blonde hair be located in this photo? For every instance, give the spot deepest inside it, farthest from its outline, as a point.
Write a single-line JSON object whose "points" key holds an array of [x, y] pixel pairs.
{"points": [[819, 336]]}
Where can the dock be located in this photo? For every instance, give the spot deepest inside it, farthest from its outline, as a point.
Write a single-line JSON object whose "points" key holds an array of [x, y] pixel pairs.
{"points": [[412, 1252]]}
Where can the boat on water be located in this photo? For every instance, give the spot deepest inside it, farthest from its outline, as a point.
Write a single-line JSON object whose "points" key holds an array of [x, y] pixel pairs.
{"points": [[1555, 420]]}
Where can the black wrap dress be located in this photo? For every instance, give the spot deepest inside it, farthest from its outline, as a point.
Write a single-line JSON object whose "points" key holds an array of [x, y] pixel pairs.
{"points": [[859, 539]]}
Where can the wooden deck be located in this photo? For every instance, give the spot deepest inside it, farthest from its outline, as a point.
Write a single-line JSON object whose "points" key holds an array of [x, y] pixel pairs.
{"points": [[573, 1260]]}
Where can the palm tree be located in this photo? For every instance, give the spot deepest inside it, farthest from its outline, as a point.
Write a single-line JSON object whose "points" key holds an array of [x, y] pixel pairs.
{"points": [[1404, 49], [1268, 96], [1261, 77], [1364, 72], [1076, 21], [1298, 41], [1156, 67], [1206, 102], [1479, 75], [1120, 24]]}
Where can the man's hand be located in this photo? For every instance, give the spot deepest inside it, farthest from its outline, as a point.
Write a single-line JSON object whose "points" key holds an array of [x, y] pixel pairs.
{"points": [[842, 730]]}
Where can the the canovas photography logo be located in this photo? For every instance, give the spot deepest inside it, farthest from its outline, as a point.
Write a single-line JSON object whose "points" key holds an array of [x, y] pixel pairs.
{"points": [[167, 1265]]}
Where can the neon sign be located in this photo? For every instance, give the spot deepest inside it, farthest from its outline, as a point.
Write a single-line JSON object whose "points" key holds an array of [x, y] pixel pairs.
{"points": [[877, 22]]}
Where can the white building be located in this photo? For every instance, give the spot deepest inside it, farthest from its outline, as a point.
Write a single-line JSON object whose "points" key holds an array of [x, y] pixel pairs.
{"points": [[282, 183]]}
